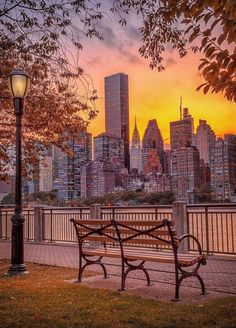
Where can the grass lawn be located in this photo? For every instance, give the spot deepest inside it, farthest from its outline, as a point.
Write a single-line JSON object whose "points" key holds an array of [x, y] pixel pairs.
{"points": [[43, 299]]}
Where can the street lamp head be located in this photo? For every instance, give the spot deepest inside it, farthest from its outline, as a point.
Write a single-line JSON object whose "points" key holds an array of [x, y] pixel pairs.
{"points": [[18, 82]]}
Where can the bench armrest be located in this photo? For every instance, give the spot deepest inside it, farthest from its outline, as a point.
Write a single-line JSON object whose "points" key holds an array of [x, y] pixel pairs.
{"points": [[194, 238]]}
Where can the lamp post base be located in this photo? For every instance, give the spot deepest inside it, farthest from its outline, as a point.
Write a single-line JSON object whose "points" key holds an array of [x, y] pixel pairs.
{"points": [[17, 269]]}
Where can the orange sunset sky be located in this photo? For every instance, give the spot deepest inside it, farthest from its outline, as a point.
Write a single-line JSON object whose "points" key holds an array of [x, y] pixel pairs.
{"points": [[152, 94]]}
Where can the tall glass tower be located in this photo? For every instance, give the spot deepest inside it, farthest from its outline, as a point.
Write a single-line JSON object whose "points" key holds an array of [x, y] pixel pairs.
{"points": [[117, 110]]}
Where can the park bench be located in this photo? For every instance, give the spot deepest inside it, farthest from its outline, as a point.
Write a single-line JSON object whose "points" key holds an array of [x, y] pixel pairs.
{"points": [[135, 241]]}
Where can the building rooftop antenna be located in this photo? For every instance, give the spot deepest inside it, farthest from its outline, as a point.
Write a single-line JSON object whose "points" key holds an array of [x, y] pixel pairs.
{"points": [[180, 108]]}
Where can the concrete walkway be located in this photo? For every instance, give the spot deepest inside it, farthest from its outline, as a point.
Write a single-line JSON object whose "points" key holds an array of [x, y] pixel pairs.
{"points": [[219, 274]]}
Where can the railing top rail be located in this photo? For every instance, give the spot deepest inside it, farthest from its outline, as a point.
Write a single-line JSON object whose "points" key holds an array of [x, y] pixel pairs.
{"points": [[26, 209], [189, 206], [6, 205], [136, 206], [66, 208], [46, 207], [212, 205]]}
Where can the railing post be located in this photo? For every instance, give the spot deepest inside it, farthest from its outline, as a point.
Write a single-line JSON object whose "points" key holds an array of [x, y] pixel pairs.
{"points": [[51, 226], [95, 214], [179, 214], [156, 213], [1, 233], [38, 224], [207, 229]]}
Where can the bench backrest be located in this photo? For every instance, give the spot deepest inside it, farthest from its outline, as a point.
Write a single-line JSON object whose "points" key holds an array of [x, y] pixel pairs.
{"points": [[102, 231], [140, 233]]}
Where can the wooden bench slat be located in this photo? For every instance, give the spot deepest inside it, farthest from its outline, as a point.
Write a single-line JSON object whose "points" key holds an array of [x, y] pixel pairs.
{"points": [[134, 241], [93, 222], [141, 251], [102, 239], [158, 232], [147, 241], [135, 255], [106, 230], [144, 223], [124, 231]]}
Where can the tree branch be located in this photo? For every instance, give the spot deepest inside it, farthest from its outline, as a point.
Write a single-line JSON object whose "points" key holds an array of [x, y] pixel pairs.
{"points": [[3, 13]]}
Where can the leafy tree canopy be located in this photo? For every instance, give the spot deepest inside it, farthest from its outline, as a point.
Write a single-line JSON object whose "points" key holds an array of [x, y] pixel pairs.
{"points": [[207, 26], [9, 198], [42, 197], [41, 37], [124, 198]]}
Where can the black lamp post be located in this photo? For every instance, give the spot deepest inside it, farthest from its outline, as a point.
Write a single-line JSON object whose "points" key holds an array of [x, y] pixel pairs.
{"points": [[18, 85]]}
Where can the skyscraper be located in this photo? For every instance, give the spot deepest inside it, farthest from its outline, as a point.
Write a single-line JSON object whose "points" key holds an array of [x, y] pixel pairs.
{"points": [[185, 173], [151, 161], [205, 138], [97, 179], [182, 131], [136, 150], [67, 169], [117, 110], [223, 168], [152, 139], [108, 148], [157, 182], [180, 134], [188, 116]]}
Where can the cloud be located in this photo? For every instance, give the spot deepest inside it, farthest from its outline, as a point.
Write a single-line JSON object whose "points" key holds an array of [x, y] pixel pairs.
{"points": [[118, 40], [94, 61], [133, 32], [109, 37], [133, 59]]}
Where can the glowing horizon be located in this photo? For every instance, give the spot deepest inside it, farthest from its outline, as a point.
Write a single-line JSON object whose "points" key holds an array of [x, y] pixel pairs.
{"points": [[152, 94]]}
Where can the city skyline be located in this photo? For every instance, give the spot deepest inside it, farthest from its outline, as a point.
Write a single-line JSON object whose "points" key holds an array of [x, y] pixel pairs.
{"points": [[153, 94], [188, 166], [164, 103], [220, 124], [143, 124]]}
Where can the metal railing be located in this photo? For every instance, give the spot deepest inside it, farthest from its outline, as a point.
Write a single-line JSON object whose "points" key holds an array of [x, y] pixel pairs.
{"points": [[147, 212], [6, 224], [213, 224], [136, 212], [215, 227], [57, 226]]}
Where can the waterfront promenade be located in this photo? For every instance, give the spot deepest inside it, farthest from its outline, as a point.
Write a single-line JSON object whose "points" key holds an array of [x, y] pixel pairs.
{"points": [[219, 274]]}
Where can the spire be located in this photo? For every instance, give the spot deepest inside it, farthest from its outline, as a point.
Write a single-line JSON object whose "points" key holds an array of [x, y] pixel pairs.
{"points": [[180, 108], [135, 137], [135, 123]]}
